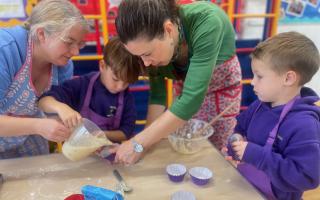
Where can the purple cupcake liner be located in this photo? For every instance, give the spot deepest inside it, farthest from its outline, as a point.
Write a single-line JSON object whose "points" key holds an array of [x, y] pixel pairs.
{"points": [[104, 153], [111, 157], [176, 172], [183, 195], [200, 175], [176, 179], [199, 182]]}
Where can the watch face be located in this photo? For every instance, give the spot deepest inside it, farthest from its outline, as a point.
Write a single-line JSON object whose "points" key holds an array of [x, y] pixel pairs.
{"points": [[138, 148]]}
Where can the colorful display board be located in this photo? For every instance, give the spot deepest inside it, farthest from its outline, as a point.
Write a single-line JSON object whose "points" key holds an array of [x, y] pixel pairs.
{"points": [[300, 11], [13, 12]]}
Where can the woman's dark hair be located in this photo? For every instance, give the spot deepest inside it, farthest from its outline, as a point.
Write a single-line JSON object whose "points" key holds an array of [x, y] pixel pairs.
{"points": [[144, 18]]}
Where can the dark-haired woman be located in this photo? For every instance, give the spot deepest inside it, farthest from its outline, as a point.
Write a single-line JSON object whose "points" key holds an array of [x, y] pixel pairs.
{"points": [[194, 44]]}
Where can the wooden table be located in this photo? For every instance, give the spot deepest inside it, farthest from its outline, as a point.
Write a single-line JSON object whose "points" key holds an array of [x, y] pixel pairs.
{"points": [[54, 177]]}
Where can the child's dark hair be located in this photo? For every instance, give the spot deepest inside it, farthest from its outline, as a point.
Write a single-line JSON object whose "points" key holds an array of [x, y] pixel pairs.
{"points": [[290, 51], [144, 18], [125, 66]]}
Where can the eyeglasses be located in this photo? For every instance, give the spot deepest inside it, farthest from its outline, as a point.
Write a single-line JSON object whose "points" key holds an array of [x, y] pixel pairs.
{"points": [[71, 43]]}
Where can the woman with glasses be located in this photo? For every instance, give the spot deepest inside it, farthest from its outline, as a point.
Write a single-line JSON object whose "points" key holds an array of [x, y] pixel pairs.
{"points": [[34, 57]]}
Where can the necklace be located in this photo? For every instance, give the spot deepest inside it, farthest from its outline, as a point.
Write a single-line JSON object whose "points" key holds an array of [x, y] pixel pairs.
{"points": [[181, 38]]}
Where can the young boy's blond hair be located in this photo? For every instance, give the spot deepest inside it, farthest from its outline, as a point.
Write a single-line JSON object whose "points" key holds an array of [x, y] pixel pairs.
{"points": [[290, 51]]}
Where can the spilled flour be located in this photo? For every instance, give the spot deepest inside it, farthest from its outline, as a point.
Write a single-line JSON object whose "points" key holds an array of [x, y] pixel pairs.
{"points": [[56, 181]]}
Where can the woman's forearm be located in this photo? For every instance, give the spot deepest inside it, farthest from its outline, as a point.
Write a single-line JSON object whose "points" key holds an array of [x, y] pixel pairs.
{"points": [[16, 126], [47, 128], [165, 124], [154, 111]]}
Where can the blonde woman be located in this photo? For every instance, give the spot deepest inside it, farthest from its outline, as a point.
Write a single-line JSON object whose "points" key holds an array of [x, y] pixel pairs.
{"points": [[32, 58]]}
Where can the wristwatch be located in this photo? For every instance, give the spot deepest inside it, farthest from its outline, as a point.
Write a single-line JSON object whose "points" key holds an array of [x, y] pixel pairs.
{"points": [[138, 148]]}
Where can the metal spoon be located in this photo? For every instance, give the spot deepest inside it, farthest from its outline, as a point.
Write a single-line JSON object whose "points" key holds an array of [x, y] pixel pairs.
{"points": [[118, 188], [122, 183]]}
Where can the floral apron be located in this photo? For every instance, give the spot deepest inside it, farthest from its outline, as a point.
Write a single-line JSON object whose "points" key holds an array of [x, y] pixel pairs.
{"points": [[255, 176], [105, 123], [21, 101], [224, 88]]}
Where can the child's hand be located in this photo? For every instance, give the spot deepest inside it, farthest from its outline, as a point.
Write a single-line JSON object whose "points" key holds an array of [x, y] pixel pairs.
{"points": [[224, 151], [69, 117], [239, 147]]}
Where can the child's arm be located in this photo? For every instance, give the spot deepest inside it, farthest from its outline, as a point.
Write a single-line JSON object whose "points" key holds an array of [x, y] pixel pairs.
{"points": [[236, 153], [295, 164], [69, 117], [65, 100], [116, 136], [129, 117]]}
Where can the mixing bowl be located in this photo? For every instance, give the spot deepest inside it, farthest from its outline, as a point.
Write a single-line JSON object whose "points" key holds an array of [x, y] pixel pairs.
{"points": [[191, 137]]}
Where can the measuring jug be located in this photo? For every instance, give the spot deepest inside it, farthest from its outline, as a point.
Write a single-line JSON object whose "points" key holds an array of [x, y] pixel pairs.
{"points": [[85, 139]]}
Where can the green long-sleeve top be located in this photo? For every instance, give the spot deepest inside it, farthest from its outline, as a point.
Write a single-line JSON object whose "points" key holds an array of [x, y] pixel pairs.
{"points": [[211, 40]]}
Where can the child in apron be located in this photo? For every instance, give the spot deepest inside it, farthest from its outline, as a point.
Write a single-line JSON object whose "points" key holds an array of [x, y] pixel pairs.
{"points": [[280, 152], [103, 97]]}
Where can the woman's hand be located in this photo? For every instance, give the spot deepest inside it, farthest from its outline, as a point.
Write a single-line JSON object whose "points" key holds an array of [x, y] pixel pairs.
{"points": [[125, 153], [52, 130], [69, 117]]}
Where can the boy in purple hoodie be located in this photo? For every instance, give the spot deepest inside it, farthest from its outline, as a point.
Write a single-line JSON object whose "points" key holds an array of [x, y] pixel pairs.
{"points": [[280, 149]]}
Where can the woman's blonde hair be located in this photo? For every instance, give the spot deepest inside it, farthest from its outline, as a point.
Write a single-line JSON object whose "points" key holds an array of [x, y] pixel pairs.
{"points": [[54, 16]]}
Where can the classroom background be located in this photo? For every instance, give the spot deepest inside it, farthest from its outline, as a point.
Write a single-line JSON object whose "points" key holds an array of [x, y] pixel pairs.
{"points": [[253, 21]]}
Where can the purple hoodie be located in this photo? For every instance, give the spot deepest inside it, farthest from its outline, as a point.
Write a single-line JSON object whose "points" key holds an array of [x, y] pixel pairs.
{"points": [[293, 165]]}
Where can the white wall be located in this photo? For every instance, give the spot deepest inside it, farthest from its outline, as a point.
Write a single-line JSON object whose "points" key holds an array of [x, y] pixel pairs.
{"points": [[253, 28]]}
